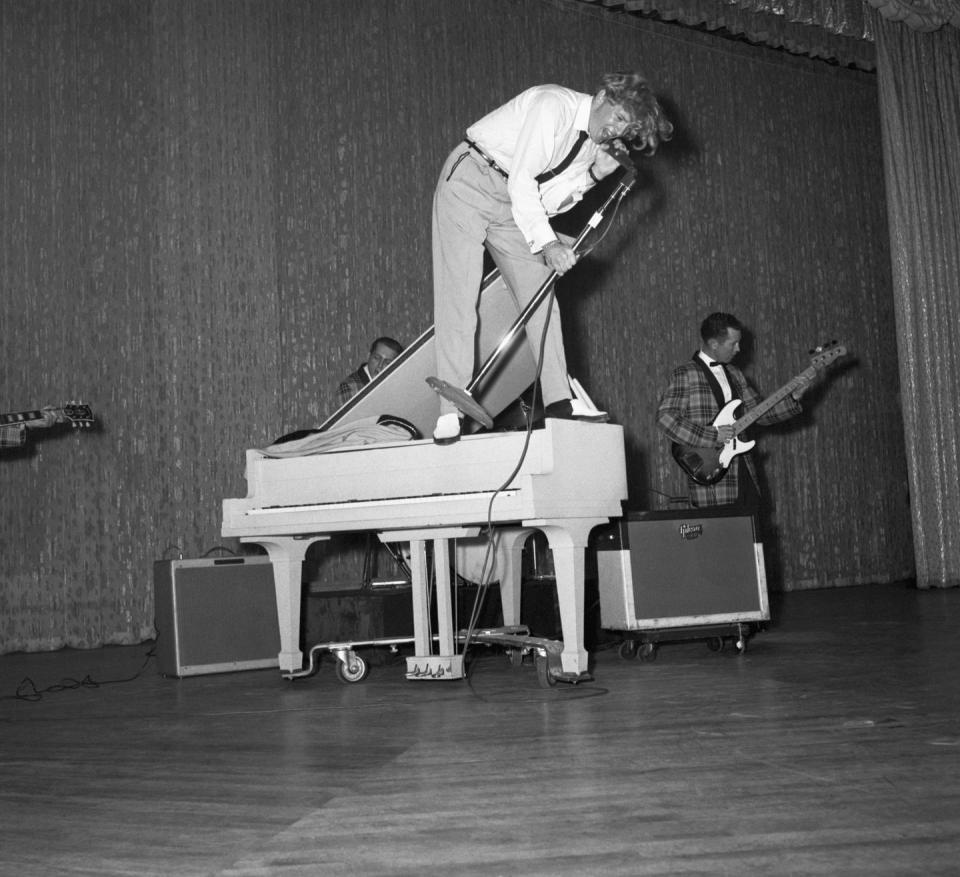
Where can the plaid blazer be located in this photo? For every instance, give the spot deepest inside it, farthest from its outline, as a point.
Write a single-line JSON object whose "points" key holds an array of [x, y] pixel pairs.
{"points": [[688, 407]]}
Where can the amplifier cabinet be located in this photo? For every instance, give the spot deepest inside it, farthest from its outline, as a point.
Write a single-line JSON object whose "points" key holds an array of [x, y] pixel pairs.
{"points": [[215, 615], [680, 569]]}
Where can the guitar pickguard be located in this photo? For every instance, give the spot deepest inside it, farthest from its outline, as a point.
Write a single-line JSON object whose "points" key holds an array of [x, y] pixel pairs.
{"points": [[707, 466]]}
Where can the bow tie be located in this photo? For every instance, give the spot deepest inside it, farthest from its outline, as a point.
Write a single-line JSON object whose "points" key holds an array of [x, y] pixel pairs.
{"points": [[715, 364]]}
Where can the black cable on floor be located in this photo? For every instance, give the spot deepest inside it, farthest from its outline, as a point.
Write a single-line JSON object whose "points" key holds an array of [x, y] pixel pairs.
{"points": [[27, 689]]}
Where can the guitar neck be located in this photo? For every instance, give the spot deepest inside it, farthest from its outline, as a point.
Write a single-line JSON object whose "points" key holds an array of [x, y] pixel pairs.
{"points": [[773, 399], [20, 417], [74, 413]]}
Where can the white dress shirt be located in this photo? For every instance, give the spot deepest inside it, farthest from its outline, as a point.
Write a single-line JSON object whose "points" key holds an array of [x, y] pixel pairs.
{"points": [[529, 135], [720, 374]]}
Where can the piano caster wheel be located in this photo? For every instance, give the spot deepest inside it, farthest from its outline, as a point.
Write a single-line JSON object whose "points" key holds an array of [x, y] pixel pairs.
{"points": [[544, 675], [354, 669], [628, 649], [515, 656]]}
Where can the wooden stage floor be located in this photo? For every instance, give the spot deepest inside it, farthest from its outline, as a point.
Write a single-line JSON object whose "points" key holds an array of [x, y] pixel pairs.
{"points": [[831, 747]]}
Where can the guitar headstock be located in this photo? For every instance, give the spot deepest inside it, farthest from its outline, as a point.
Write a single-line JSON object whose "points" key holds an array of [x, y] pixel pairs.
{"points": [[76, 414], [822, 356]]}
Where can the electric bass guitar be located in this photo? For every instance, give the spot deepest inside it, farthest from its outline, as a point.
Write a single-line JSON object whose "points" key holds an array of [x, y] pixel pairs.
{"points": [[708, 465], [74, 413]]}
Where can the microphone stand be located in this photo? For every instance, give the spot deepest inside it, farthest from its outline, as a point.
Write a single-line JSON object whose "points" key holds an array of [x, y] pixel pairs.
{"points": [[463, 399]]}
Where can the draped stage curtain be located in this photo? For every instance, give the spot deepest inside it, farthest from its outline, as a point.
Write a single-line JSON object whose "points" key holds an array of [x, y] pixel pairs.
{"points": [[919, 83]]}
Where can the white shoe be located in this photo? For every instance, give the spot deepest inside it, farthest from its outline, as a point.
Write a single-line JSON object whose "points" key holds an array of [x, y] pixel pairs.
{"points": [[575, 409], [580, 410], [447, 430]]}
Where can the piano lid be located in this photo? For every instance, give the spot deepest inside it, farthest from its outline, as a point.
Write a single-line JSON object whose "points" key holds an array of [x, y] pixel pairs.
{"points": [[401, 388]]}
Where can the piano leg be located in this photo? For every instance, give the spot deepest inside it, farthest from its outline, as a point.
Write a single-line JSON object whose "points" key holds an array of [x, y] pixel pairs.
{"points": [[286, 555], [568, 542], [447, 664], [510, 570]]}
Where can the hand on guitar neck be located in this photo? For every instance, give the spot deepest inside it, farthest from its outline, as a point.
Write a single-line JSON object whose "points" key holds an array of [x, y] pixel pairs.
{"points": [[49, 416]]}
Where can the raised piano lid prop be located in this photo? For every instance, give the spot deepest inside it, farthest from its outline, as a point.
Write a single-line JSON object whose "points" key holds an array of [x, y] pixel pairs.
{"points": [[402, 390]]}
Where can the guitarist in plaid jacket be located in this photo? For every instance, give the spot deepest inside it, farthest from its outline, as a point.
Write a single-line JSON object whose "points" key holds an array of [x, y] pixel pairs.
{"points": [[698, 389]]}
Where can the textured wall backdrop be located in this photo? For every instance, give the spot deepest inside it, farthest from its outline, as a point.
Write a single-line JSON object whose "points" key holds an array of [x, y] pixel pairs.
{"points": [[210, 207]]}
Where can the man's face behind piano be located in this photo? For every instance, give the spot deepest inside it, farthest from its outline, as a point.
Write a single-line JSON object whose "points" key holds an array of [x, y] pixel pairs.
{"points": [[380, 357]]}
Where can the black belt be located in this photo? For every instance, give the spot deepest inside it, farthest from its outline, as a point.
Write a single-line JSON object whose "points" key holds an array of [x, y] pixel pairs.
{"points": [[486, 158], [546, 175]]}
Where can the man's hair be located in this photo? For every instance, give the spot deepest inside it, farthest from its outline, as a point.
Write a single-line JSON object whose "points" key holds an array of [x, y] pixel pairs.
{"points": [[384, 341], [716, 325], [632, 91]]}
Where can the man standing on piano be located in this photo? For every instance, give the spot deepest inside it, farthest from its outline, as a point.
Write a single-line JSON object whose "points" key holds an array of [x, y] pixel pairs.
{"points": [[532, 158]]}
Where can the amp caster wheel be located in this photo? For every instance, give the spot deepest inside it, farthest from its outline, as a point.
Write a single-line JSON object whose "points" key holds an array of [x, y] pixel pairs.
{"points": [[716, 643], [627, 650], [647, 652], [355, 669]]}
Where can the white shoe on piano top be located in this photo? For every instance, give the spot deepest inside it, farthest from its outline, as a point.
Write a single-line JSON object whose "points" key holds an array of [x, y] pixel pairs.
{"points": [[575, 409], [447, 430]]}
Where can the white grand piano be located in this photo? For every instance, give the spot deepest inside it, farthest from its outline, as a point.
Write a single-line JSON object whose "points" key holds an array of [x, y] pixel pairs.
{"points": [[570, 477]]}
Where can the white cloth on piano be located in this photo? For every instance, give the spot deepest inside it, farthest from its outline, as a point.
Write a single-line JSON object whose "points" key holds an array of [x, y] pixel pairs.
{"points": [[365, 431]]}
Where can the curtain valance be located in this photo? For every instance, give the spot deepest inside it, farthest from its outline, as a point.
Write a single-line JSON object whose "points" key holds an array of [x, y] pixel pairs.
{"points": [[835, 30], [924, 15]]}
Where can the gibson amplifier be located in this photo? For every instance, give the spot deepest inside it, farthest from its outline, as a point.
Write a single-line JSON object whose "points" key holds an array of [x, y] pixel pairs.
{"points": [[215, 615], [680, 569]]}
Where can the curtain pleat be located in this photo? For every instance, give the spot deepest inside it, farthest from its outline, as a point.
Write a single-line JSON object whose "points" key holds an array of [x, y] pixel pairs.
{"points": [[919, 86]]}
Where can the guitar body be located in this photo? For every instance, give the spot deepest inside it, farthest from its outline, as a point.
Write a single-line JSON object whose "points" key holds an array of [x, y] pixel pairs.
{"points": [[707, 466]]}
